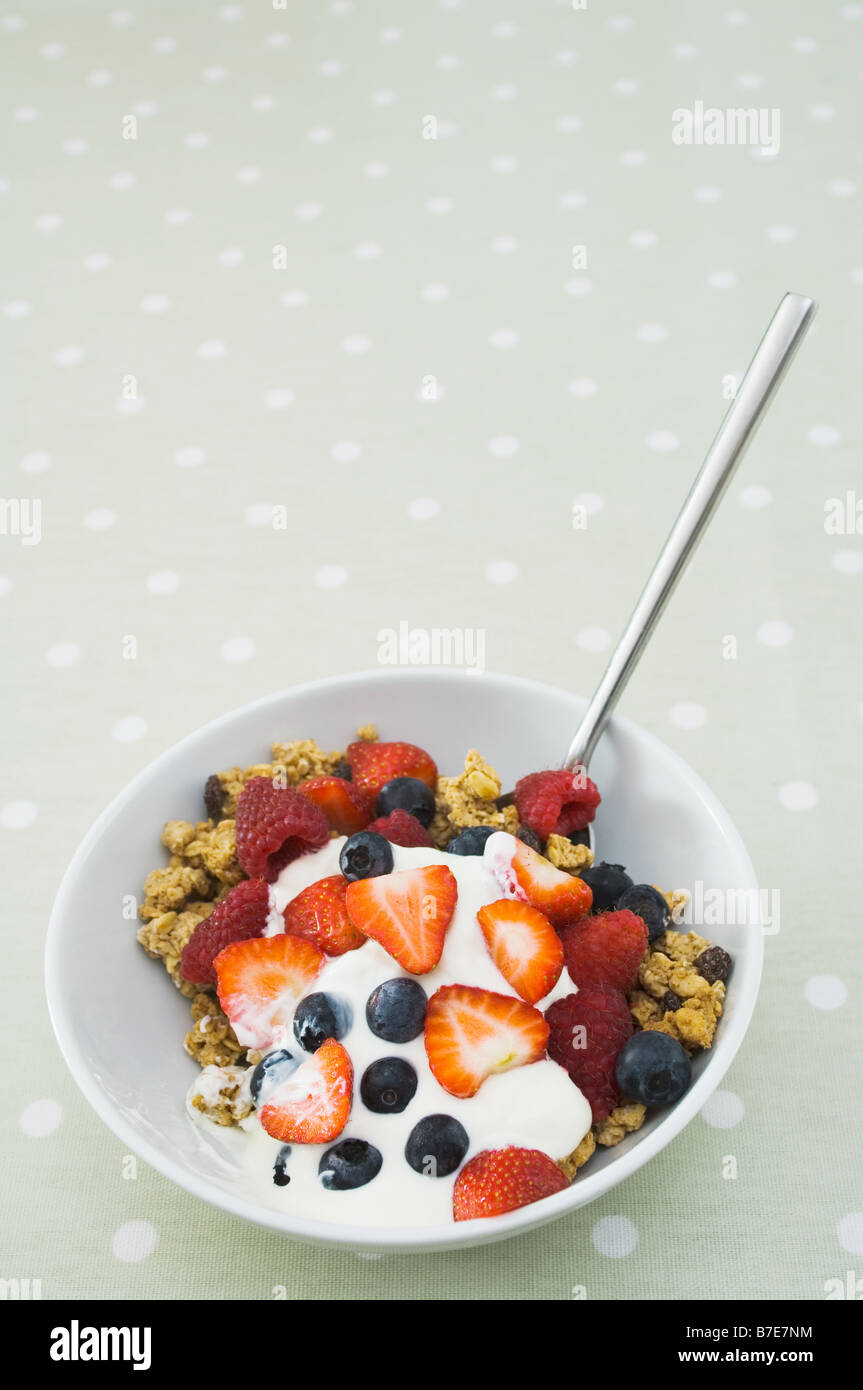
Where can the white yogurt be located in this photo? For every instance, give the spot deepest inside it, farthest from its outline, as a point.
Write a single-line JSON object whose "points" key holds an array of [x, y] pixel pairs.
{"points": [[535, 1106]]}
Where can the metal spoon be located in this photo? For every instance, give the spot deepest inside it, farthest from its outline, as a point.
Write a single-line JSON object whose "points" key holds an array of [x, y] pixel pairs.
{"points": [[784, 334]]}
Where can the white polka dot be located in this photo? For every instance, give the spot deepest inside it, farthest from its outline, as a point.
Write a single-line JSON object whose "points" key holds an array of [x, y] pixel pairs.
{"points": [[503, 245], [69, 356], [162, 582], [63, 654], [211, 349], [592, 502], [376, 169], [423, 508], [40, 1118], [439, 206], [774, 634], [383, 98], [755, 497], [391, 34], [25, 114], [99, 77], [797, 796], [17, 815], [434, 293], [37, 462], [134, 1241], [848, 561], [260, 514], [307, 212], [129, 405], [823, 435], [154, 304], [176, 217], [582, 387], [17, 309], [504, 91], [165, 44], [48, 222], [684, 51], [615, 1236], [804, 45], [722, 279], [686, 714], [129, 729], [849, 1230], [625, 86], [707, 193], [346, 451], [52, 51], [190, 456], [573, 199], [569, 125], [356, 344], [620, 23], [501, 572], [331, 576], [749, 80], [248, 173], [652, 332], [504, 164], [504, 29], [367, 250], [723, 1110], [294, 299], [578, 285], [633, 159], [319, 135], [825, 992], [99, 519], [279, 398], [6, 585], [503, 446], [735, 19], [662, 442], [642, 240], [231, 256], [593, 639], [842, 188], [822, 111], [238, 649], [781, 234], [150, 108], [13, 23], [121, 19], [264, 102], [197, 140], [503, 338]]}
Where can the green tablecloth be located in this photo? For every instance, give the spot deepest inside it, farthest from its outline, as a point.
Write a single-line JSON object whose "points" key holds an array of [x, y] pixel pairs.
{"points": [[238, 273]]}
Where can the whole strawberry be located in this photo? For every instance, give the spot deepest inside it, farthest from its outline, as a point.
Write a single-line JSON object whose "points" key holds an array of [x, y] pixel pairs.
{"points": [[319, 915], [274, 826], [586, 1032], [241, 914], [375, 764], [401, 828], [556, 802], [605, 950], [499, 1180], [346, 807]]}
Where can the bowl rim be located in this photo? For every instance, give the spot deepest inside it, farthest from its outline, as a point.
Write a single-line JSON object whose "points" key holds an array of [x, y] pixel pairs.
{"points": [[394, 1239]]}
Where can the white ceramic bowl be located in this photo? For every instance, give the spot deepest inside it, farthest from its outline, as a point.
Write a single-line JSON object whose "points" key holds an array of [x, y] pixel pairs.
{"points": [[120, 1023]]}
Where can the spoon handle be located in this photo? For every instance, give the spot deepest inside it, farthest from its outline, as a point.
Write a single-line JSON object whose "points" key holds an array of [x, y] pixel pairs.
{"points": [[784, 335]]}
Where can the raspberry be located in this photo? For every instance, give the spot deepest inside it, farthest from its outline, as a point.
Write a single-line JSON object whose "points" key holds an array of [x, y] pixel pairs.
{"points": [[556, 803], [274, 826], [241, 914], [606, 949], [401, 828], [587, 1031]]}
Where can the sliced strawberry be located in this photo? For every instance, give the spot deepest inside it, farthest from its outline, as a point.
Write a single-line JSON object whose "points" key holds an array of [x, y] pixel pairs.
{"points": [[523, 945], [259, 983], [401, 828], [319, 915], [347, 807], [499, 1180], [242, 913], [373, 764], [470, 1033], [312, 1106], [407, 913], [523, 874]]}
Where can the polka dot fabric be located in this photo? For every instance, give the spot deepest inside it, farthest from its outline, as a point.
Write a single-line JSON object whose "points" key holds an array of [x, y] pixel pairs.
{"points": [[326, 318]]}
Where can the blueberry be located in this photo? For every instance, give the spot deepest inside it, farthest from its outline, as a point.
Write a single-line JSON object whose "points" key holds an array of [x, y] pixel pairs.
{"points": [[396, 1010], [436, 1146], [270, 1072], [607, 882], [280, 1175], [407, 794], [653, 1069], [350, 1163], [365, 855], [470, 841], [647, 903], [343, 770], [388, 1085], [318, 1017]]}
